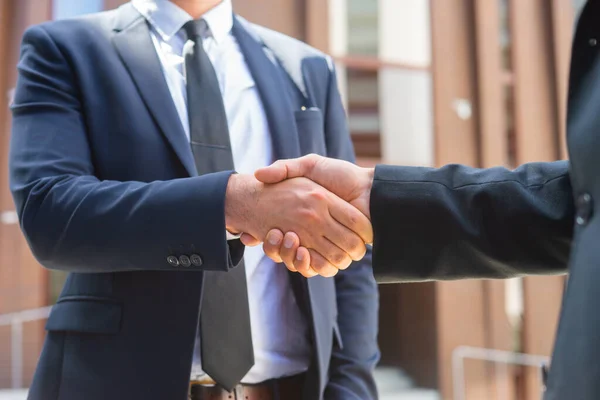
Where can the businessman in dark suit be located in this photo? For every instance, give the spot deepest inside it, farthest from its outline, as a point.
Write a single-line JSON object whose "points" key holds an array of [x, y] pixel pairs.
{"points": [[127, 128], [457, 222]]}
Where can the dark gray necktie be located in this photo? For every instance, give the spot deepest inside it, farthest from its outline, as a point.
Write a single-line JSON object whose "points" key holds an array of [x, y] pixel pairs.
{"points": [[225, 336]]}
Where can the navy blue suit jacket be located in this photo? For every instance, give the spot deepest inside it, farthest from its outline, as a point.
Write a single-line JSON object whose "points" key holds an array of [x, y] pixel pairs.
{"points": [[105, 187]]}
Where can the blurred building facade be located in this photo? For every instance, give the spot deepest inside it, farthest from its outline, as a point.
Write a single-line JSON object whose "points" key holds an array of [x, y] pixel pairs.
{"points": [[425, 82]]}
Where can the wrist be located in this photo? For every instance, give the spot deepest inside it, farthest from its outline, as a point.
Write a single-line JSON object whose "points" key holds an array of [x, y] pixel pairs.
{"points": [[369, 177], [239, 196]]}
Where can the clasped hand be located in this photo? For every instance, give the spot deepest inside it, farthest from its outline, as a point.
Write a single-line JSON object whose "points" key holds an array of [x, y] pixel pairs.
{"points": [[321, 204]]}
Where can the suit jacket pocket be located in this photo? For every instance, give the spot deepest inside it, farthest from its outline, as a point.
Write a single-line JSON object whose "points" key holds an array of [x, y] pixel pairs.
{"points": [[85, 314], [311, 131]]}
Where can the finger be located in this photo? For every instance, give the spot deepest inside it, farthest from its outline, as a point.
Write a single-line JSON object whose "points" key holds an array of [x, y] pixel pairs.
{"points": [[346, 240], [287, 169], [302, 261], [288, 249], [306, 271], [320, 265], [349, 216], [272, 244], [249, 240], [335, 256]]}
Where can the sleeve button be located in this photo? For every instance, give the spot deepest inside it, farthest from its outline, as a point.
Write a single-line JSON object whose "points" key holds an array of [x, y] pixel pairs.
{"points": [[173, 261], [196, 260], [185, 261]]}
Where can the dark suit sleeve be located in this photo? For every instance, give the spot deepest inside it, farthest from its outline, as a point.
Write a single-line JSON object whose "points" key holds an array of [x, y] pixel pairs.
{"points": [[351, 368], [71, 219], [459, 222]]}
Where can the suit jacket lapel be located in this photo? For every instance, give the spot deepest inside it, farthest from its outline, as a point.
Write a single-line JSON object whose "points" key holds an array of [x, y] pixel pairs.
{"points": [[135, 46], [271, 85]]}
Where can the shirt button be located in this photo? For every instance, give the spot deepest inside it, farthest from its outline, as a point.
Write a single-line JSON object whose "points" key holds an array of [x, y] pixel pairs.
{"points": [[585, 209], [593, 42], [196, 260], [185, 261], [173, 261]]}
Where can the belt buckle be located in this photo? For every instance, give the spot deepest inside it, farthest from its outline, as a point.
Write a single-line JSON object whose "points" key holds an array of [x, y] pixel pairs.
{"points": [[205, 381]]}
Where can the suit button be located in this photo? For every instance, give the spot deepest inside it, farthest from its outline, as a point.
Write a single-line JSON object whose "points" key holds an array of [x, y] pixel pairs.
{"points": [[585, 209], [196, 260], [173, 261], [185, 261]]}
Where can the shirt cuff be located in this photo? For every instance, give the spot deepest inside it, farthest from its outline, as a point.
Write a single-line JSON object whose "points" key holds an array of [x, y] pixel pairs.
{"points": [[231, 236]]}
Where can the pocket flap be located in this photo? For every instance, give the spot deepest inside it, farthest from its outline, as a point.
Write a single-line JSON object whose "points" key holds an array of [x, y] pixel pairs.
{"points": [[85, 315], [311, 131]]}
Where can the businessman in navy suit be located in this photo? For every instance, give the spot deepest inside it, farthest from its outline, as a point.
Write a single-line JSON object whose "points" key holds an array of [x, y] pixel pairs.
{"points": [[128, 126]]}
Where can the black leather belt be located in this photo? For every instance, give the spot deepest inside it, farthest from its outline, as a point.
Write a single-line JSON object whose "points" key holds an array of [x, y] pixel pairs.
{"points": [[289, 388]]}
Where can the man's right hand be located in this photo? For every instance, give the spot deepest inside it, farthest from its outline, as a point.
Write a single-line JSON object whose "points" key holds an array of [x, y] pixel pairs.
{"points": [[348, 181], [335, 230]]}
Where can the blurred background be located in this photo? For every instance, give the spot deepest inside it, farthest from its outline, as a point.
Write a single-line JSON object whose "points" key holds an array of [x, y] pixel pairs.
{"points": [[425, 82]]}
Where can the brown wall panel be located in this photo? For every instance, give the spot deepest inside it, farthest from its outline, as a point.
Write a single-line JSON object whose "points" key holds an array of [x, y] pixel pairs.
{"points": [[490, 88], [110, 4], [492, 118], [16, 260], [460, 306], [317, 24], [461, 321], [538, 127], [542, 300], [454, 77], [417, 332], [286, 16], [534, 82], [563, 18], [22, 281]]}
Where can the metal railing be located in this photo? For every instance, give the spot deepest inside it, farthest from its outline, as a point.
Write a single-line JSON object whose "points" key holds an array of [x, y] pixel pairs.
{"points": [[500, 357], [15, 321], [504, 358]]}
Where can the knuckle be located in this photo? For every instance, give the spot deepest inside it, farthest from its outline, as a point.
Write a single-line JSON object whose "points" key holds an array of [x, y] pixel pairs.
{"points": [[318, 195], [309, 215], [318, 264], [353, 217], [312, 158], [339, 258], [355, 245]]}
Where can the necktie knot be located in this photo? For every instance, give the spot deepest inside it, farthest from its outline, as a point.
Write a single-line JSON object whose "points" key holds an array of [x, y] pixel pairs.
{"points": [[196, 29]]}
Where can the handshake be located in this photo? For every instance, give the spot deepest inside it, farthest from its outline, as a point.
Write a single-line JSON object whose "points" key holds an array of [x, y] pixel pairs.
{"points": [[312, 213]]}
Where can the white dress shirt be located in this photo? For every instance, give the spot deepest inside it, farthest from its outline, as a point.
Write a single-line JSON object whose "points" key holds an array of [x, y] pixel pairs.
{"points": [[279, 330]]}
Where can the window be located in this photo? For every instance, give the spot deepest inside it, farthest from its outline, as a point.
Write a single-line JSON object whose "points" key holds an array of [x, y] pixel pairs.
{"points": [[361, 65], [509, 103], [382, 51], [363, 111]]}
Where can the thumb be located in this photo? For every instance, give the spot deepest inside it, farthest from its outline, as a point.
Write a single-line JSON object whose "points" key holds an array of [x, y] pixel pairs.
{"points": [[249, 240], [286, 169], [274, 173]]}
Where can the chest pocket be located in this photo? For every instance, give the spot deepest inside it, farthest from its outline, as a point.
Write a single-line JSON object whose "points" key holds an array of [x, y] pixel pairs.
{"points": [[311, 131]]}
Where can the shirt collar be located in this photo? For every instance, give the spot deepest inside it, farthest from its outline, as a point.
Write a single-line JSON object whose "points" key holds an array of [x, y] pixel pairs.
{"points": [[168, 19]]}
